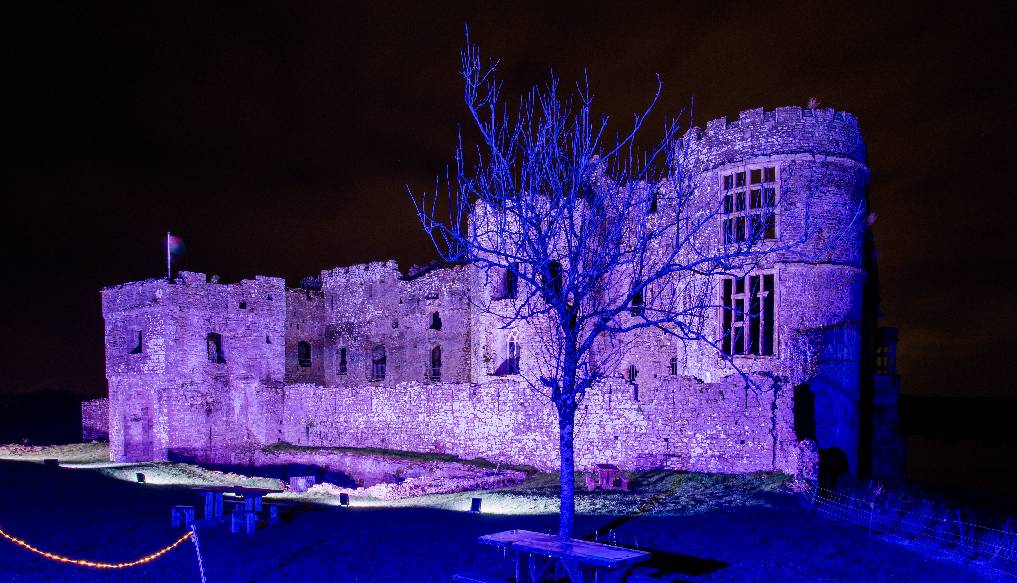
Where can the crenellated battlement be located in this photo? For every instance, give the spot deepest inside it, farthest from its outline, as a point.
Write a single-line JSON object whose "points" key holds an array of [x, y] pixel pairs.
{"points": [[784, 130]]}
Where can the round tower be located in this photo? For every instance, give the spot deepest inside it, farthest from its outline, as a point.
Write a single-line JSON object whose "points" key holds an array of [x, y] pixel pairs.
{"points": [[798, 179]]}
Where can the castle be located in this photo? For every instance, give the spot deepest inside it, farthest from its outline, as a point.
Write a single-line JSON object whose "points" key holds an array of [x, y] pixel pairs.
{"points": [[368, 356]]}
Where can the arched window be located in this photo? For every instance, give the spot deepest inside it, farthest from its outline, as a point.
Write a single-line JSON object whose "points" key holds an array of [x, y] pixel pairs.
{"points": [[674, 366], [512, 352], [632, 373], [341, 360], [435, 321], [378, 363], [303, 354], [213, 344], [434, 370]]}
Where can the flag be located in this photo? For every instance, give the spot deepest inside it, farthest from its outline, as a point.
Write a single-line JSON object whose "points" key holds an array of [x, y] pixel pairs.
{"points": [[174, 244]]}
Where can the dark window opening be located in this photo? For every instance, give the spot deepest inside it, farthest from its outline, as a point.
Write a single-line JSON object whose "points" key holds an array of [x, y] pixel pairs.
{"points": [[748, 319], [243, 305], [138, 346], [638, 308], [511, 283], [378, 361], [303, 354], [434, 370], [213, 344], [805, 413], [435, 321], [267, 339], [554, 281], [654, 196], [341, 358], [674, 366]]}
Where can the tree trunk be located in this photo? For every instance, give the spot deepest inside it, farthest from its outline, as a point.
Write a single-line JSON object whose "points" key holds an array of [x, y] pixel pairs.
{"points": [[567, 473]]}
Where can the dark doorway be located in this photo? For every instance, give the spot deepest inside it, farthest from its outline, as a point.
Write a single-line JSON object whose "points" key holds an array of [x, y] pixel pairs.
{"points": [[805, 413]]}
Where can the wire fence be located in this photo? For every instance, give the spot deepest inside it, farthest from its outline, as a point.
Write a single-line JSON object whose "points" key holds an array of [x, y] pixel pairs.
{"points": [[923, 523]]}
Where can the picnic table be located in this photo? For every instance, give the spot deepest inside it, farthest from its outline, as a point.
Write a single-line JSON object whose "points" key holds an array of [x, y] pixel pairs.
{"points": [[541, 557]]}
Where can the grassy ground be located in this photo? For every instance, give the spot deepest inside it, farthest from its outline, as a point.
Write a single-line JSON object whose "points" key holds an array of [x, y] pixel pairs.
{"points": [[698, 527]]}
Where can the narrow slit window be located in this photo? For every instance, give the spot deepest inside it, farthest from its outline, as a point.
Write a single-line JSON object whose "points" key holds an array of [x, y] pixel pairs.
{"points": [[435, 321], [434, 368], [341, 363]]}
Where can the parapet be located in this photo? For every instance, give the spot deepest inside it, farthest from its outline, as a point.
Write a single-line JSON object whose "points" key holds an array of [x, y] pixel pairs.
{"points": [[785, 130]]}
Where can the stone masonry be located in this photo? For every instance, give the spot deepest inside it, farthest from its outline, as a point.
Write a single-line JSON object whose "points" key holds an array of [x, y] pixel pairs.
{"points": [[369, 356]]}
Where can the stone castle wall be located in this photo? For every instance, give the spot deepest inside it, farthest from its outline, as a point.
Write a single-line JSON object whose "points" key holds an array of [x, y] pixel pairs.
{"points": [[679, 424], [95, 420], [282, 377]]}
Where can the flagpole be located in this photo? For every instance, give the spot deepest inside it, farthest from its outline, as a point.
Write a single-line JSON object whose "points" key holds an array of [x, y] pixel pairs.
{"points": [[169, 272]]}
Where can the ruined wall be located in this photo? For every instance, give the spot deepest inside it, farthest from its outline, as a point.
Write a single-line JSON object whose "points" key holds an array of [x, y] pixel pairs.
{"points": [[374, 305], [95, 420], [683, 424], [305, 323], [170, 396]]}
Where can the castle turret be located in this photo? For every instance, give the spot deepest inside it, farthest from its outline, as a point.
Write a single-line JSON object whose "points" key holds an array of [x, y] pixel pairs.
{"points": [[800, 176]]}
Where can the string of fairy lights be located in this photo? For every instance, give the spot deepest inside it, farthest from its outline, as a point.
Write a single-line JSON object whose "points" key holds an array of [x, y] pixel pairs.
{"points": [[97, 564]]}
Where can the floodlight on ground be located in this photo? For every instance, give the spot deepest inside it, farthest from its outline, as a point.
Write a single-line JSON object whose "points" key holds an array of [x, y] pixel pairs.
{"points": [[475, 505], [344, 499]]}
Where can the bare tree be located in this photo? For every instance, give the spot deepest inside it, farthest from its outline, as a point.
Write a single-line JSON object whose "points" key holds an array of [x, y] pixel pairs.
{"points": [[597, 236]]}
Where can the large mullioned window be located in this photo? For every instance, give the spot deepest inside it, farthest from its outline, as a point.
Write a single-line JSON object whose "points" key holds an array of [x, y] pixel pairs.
{"points": [[749, 315], [750, 205]]}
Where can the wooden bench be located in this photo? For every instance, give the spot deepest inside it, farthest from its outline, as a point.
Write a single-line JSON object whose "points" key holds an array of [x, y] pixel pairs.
{"points": [[543, 557]]}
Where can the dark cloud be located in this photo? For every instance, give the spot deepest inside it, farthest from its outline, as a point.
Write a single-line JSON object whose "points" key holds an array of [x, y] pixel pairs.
{"points": [[278, 140]]}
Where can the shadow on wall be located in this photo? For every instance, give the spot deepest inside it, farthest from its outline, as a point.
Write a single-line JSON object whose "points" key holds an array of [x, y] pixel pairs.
{"points": [[833, 463]]}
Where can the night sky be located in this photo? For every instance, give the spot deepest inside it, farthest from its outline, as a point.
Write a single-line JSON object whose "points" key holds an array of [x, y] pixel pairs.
{"points": [[278, 141]]}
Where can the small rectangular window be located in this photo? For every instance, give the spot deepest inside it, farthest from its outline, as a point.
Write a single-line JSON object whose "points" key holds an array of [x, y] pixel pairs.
{"points": [[769, 174], [755, 176]]}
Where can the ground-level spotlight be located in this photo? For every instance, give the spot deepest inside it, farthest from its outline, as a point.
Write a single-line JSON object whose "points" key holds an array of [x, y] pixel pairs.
{"points": [[344, 499], [140, 477], [475, 505]]}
